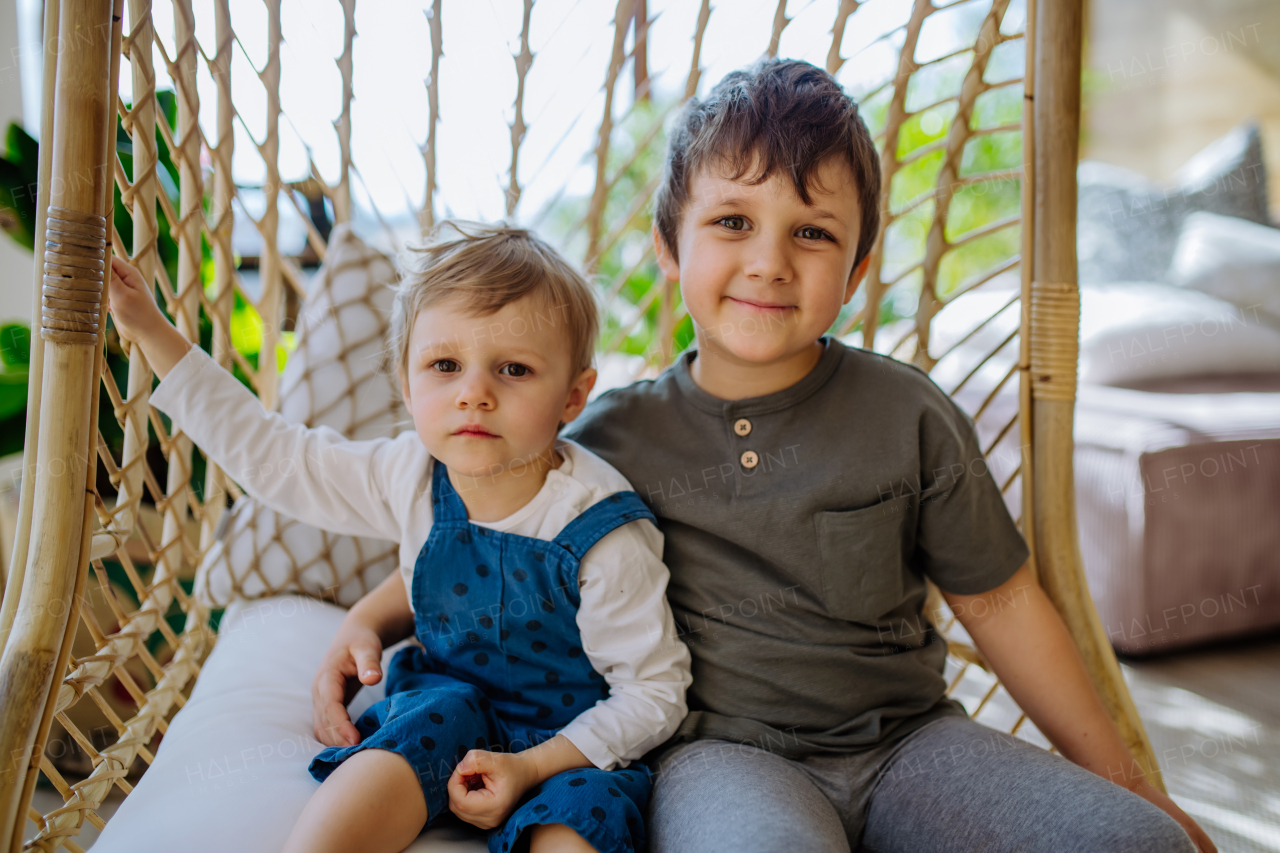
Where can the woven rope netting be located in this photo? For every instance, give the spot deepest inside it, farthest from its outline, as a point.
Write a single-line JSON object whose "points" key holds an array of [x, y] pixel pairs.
{"points": [[200, 175]]}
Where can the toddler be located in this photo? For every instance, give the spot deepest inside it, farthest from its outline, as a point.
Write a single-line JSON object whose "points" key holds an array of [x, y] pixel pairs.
{"points": [[531, 574]]}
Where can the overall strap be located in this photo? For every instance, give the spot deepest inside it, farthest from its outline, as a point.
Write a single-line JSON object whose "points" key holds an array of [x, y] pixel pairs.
{"points": [[600, 518], [445, 503]]}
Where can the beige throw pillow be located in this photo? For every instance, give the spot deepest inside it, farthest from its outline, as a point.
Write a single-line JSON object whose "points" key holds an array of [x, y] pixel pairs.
{"points": [[337, 377]]}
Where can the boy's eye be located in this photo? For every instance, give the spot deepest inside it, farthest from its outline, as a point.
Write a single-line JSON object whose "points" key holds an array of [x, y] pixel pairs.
{"points": [[815, 233], [520, 369], [724, 219], [441, 365]]}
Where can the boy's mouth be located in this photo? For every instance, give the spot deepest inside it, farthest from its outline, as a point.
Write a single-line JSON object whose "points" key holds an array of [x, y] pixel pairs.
{"points": [[474, 431], [760, 305]]}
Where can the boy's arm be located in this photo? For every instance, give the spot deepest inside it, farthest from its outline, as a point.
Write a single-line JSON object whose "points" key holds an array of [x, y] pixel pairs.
{"points": [[315, 476], [1035, 658], [165, 349], [629, 636]]}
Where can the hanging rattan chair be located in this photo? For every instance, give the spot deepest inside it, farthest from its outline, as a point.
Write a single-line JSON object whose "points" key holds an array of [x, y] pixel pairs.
{"points": [[67, 532]]}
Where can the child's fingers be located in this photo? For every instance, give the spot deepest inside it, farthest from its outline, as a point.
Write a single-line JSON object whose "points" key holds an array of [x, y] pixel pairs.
{"points": [[328, 701], [126, 274], [477, 762], [474, 774], [459, 791], [330, 686], [368, 663], [336, 727], [332, 732], [477, 807]]}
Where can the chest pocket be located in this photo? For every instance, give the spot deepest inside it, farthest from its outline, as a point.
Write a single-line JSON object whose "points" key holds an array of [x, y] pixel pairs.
{"points": [[862, 558]]}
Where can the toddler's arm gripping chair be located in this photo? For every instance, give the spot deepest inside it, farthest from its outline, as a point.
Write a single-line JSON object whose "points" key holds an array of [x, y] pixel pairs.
{"points": [[126, 551]]}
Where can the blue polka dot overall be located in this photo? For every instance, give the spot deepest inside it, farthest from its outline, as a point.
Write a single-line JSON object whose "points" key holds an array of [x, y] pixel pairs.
{"points": [[501, 667]]}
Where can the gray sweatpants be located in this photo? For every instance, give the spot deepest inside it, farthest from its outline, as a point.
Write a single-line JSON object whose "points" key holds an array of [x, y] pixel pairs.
{"points": [[951, 785]]}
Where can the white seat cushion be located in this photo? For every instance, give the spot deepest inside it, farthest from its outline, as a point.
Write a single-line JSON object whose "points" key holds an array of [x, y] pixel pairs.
{"points": [[231, 773]]}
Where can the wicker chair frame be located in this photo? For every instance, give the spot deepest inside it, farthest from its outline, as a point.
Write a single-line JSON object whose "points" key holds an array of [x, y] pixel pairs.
{"points": [[66, 530]]}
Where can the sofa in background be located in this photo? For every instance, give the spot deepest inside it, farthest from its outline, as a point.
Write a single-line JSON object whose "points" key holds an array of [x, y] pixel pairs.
{"points": [[1178, 415]]}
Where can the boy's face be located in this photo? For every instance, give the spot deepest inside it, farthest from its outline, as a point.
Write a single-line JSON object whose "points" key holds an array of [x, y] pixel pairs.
{"points": [[487, 393], [762, 273]]}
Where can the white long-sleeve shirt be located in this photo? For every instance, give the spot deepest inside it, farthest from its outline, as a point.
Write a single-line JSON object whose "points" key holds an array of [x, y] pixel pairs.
{"points": [[382, 488]]}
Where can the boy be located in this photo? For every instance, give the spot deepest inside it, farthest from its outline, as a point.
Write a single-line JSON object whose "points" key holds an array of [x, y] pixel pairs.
{"points": [[547, 659], [805, 489]]}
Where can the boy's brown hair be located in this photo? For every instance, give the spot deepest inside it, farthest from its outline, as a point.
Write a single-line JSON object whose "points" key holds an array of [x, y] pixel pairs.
{"points": [[793, 116], [488, 267]]}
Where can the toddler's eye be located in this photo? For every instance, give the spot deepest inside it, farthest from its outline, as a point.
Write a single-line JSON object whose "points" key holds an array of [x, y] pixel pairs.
{"points": [[815, 233], [733, 219], [439, 365], [520, 369]]}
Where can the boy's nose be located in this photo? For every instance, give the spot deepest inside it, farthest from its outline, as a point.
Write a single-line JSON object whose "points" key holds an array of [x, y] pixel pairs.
{"points": [[767, 259], [475, 393]]}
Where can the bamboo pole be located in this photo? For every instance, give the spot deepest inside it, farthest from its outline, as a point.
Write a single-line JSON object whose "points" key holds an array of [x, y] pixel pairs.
{"points": [[640, 52], [523, 60], [70, 823], [695, 68], [667, 320], [220, 239], [74, 261], [780, 21], [834, 60], [186, 232], [1055, 325], [342, 190], [889, 165], [269, 307], [599, 196], [936, 244], [139, 197], [35, 384], [1027, 203], [427, 215]]}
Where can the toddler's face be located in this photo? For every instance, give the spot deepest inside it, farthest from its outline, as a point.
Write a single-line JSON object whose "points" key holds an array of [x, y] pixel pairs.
{"points": [[763, 274], [487, 393]]}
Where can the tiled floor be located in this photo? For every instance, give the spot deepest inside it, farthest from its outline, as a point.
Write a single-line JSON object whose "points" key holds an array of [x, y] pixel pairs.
{"points": [[1213, 716]]}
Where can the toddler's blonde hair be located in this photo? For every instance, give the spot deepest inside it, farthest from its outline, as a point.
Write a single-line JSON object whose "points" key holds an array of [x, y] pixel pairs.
{"points": [[489, 266]]}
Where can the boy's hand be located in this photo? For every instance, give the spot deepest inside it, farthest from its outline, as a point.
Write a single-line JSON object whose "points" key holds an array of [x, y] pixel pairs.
{"points": [[486, 786], [1152, 794], [353, 660], [138, 318], [132, 304]]}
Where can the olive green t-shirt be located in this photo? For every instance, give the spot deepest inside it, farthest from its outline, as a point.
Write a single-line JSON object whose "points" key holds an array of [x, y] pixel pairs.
{"points": [[799, 527]]}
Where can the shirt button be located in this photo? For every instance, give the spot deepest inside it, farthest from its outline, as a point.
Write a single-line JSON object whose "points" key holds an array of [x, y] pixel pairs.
{"points": [[742, 426], [749, 459]]}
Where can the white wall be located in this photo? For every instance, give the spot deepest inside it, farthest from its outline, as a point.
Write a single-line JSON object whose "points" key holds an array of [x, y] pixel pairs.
{"points": [[16, 284]]}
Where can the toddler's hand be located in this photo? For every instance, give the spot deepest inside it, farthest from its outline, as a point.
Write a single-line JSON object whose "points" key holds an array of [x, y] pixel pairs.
{"points": [[486, 786], [353, 660], [132, 303]]}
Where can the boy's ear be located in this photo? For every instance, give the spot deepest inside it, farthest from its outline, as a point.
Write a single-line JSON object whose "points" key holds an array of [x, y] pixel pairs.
{"points": [[856, 277], [666, 263], [576, 400]]}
